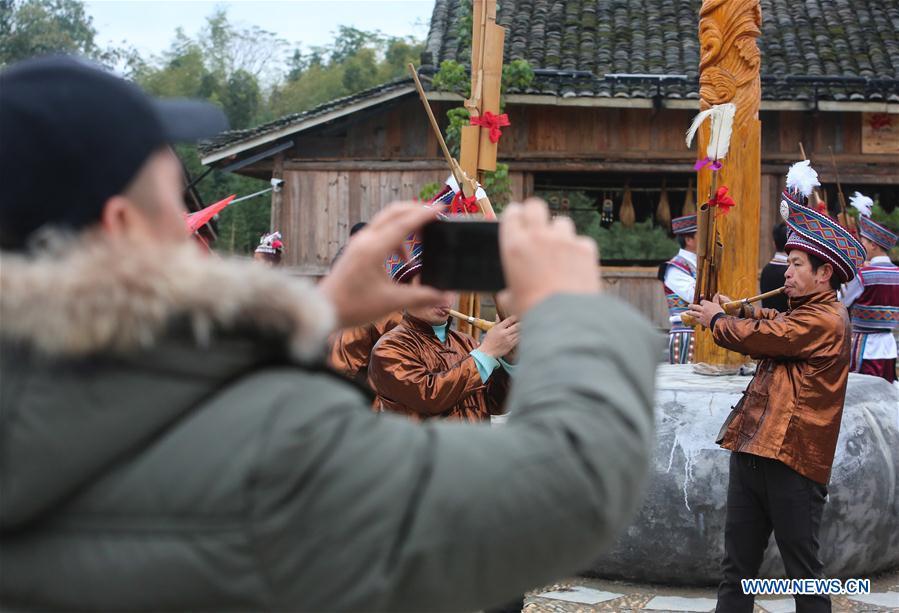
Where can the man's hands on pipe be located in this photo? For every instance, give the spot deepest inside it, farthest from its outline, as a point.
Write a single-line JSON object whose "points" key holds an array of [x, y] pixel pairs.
{"points": [[703, 312]]}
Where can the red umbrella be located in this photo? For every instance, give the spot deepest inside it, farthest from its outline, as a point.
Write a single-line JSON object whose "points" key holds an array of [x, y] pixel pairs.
{"points": [[197, 220]]}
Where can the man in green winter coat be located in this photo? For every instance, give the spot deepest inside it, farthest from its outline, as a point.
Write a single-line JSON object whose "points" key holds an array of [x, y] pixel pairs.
{"points": [[169, 442]]}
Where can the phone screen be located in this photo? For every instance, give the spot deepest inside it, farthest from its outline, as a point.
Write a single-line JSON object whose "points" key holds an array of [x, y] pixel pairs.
{"points": [[462, 255]]}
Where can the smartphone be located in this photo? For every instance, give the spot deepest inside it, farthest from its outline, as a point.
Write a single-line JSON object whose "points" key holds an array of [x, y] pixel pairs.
{"points": [[462, 255]]}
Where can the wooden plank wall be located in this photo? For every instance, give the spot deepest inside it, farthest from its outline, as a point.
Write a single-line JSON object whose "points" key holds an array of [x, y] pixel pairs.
{"points": [[345, 172], [640, 288], [560, 136], [320, 206]]}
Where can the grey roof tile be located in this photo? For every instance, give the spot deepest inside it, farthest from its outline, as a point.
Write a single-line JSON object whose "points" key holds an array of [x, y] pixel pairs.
{"points": [[818, 38], [808, 38]]}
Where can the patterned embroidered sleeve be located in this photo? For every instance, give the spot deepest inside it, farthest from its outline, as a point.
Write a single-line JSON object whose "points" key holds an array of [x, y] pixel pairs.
{"points": [[681, 283], [852, 291]]}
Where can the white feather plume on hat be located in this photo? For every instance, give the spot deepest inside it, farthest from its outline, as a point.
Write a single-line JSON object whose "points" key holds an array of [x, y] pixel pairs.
{"points": [[802, 178], [861, 203]]}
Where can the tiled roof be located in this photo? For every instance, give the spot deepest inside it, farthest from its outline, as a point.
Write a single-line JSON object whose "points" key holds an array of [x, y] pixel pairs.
{"points": [[800, 42], [813, 38], [227, 138]]}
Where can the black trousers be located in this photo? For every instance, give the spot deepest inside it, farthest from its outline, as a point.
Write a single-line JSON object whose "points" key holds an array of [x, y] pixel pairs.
{"points": [[764, 494]]}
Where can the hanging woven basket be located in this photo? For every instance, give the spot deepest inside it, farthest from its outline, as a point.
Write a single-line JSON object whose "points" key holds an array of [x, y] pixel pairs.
{"points": [[626, 215], [689, 201], [663, 210]]}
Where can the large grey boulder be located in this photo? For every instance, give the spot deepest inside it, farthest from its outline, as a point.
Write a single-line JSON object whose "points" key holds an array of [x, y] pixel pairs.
{"points": [[678, 535]]}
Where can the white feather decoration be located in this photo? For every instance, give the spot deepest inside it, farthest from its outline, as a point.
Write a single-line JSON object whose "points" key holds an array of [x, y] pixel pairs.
{"points": [[803, 178], [697, 121], [722, 117], [861, 203]]}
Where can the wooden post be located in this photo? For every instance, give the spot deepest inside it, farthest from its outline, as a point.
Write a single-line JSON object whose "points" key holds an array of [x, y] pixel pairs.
{"points": [[476, 152], [729, 72], [277, 173]]}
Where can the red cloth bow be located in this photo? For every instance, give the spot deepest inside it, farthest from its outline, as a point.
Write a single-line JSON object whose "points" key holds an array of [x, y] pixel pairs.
{"points": [[722, 200], [462, 205], [493, 123]]}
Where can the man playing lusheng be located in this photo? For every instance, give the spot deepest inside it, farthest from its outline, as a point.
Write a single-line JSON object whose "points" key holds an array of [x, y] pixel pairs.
{"points": [[423, 369], [783, 432], [170, 441]]}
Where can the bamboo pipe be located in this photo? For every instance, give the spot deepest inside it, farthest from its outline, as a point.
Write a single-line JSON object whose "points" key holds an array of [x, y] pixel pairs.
{"points": [[480, 324], [732, 307], [467, 185]]}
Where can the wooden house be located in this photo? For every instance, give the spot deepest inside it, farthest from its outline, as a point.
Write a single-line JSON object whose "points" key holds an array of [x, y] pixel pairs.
{"points": [[615, 88]]}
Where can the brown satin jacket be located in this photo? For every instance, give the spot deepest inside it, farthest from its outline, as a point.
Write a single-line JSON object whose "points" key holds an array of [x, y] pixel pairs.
{"points": [[792, 408], [350, 349], [413, 373]]}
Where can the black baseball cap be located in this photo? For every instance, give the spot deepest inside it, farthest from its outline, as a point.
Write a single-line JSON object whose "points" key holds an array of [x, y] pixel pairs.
{"points": [[72, 135]]}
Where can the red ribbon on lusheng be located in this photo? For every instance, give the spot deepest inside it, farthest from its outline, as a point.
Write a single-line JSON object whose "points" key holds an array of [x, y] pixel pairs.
{"points": [[707, 161], [722, 200], [493, 123], [462, 205]]}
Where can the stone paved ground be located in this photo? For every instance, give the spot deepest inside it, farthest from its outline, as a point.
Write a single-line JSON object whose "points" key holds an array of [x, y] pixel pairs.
{"points": [[635, 597]]}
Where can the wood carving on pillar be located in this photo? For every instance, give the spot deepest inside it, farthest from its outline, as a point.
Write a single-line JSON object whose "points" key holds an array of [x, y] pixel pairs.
{"points": [[729, 72]]}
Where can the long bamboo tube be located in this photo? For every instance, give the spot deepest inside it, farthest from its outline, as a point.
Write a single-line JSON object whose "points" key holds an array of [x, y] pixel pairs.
{"points": [[733, 306], [480, 324]]}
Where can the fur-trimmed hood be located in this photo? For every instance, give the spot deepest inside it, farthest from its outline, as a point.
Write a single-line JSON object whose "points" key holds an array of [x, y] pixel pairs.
{"points": [[99, 297], [96, 360]]}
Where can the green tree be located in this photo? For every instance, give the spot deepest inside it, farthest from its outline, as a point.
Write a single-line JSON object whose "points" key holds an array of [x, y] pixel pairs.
{"points": [[241, 99], [360, 70], [356, 60], [38, 27], [351, 41], [183, 74], [401, 51], [237, 67], [296, 65], [228, 49]]}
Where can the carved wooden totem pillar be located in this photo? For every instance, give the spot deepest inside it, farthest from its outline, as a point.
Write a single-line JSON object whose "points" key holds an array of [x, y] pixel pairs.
{"points": [[729, 72]]}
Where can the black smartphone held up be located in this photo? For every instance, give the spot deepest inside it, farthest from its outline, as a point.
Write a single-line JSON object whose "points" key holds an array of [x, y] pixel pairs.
{"points": [[462, 255]]}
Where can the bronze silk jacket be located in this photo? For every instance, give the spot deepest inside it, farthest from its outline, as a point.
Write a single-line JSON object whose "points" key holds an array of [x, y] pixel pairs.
{"points": [[350, 348], [415, 374], [792, 408]]}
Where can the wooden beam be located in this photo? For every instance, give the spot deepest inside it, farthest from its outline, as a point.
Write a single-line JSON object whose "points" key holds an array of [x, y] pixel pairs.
{"points": [[853, 169], [277, 194], [690, 104], [646, 166], [344, 164]]}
